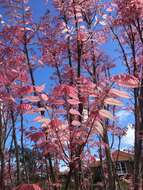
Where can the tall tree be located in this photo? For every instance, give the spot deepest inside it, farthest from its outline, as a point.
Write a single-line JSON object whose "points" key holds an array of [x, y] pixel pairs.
{"points": [[127, 30]]}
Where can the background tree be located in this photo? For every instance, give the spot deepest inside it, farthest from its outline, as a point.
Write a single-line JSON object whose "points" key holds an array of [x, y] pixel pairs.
{"points": [[127, 30]]}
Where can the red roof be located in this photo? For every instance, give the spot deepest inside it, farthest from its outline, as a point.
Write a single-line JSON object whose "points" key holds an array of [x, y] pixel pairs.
{"points": [[121, 156], [117, 155]]}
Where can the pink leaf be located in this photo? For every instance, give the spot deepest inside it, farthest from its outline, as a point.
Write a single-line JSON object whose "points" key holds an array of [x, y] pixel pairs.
{"points": [[32, 98], [99, 127], [74, 112], [76, 123], [59, 102], [55, 123], [40, 88], [119, 93], [25, 107], [128, 81], [44, 97], [41, 119], [113, 101], [25, 90], [73, 101], [109, 9], [36, 136], [23, 76], [106, 114]]}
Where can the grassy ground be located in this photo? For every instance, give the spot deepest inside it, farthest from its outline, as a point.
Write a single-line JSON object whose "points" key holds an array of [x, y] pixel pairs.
{"points": [[124, 186]]}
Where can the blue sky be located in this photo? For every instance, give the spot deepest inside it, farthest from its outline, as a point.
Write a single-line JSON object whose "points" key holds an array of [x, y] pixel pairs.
{"points": [[42, 74], [38, 7]]}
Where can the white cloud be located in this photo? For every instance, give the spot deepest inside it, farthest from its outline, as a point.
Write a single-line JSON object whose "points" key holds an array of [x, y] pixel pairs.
{"points": [[124, 117], [128, 140], [63, 167]]}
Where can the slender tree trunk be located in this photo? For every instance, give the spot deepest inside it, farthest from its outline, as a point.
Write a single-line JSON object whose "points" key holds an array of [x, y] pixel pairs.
{"points": [[102, 170], [136, 163], [52, 172], [9, 163], [137, 141], [111, 177], [16, 150], [2, 162], [22, 147], [2, 166]]}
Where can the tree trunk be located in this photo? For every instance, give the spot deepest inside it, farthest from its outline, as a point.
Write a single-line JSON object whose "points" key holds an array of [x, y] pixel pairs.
{"points": [[111, 177], [2, 163], [16, 150], [138, 143]]}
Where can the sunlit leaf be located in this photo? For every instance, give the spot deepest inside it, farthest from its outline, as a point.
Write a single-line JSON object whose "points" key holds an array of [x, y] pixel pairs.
{"points": [[76, 123], [73, 101], [113, 101], [99, 127], [74, 112], [119, 93], [106, 114]]}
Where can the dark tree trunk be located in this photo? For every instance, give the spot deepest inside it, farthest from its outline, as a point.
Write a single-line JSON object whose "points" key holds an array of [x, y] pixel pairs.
{"points": [[109, 164], [2, 162], [16, 150]]}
